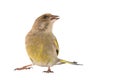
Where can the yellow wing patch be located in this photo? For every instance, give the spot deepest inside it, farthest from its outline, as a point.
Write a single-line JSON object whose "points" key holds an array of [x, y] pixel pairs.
{"points": [[57, 46]]}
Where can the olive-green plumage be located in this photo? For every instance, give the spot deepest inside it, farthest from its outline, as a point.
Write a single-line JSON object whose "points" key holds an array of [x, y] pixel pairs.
{"points": [[41, 45], [41, 48]]}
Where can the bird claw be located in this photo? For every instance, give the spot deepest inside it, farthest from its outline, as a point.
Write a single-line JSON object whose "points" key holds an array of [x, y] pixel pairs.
{"points": [[24, 67], [48, 71]]}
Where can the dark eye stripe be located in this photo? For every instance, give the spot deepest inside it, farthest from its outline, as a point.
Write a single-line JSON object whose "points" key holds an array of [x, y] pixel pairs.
{"points": [[45, 17]]}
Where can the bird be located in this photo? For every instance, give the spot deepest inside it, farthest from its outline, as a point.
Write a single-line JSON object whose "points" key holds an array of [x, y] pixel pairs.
{"points": [[41, 44]]}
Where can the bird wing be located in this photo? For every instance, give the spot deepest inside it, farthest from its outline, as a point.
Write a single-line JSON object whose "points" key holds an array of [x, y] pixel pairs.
{"points": [[56, 46]]}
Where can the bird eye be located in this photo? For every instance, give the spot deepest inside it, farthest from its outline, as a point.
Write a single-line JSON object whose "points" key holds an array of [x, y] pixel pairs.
{"points": [[46, 17]]}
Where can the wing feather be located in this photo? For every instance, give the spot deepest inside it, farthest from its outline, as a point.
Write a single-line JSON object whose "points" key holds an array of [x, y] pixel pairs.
{"points": [[56, 46]]}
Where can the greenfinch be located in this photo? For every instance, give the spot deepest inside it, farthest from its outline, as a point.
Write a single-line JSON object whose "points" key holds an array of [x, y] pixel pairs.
{"points": [[41, 44]]}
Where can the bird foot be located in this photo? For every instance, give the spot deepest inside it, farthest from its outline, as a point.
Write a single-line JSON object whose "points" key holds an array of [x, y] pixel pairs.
{"points": [[24, 67], [49, 71]]}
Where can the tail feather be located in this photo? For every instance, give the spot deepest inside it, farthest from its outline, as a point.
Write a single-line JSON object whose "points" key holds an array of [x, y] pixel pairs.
{"points": [[61, 61]]}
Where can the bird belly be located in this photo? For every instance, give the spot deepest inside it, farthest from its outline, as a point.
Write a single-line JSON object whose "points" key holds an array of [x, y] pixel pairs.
{"points": [[42, 54]]}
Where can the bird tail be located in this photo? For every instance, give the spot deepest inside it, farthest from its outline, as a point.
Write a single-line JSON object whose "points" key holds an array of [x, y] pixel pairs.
{"points": [[61, 61]]}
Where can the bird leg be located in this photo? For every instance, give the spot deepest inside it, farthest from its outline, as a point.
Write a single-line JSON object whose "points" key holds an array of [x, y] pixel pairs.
{"points": [[48, 71], [24, 67]]}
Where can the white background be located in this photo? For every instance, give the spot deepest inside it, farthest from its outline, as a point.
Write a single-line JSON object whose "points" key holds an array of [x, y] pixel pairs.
{"points": [[88, 32]]}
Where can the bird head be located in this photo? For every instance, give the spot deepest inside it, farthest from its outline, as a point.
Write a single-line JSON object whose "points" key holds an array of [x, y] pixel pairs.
{"points": [[45, 22]]}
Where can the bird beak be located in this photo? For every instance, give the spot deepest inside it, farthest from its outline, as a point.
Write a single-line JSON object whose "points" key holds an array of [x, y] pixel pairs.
{"points": [[54, 17]]}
